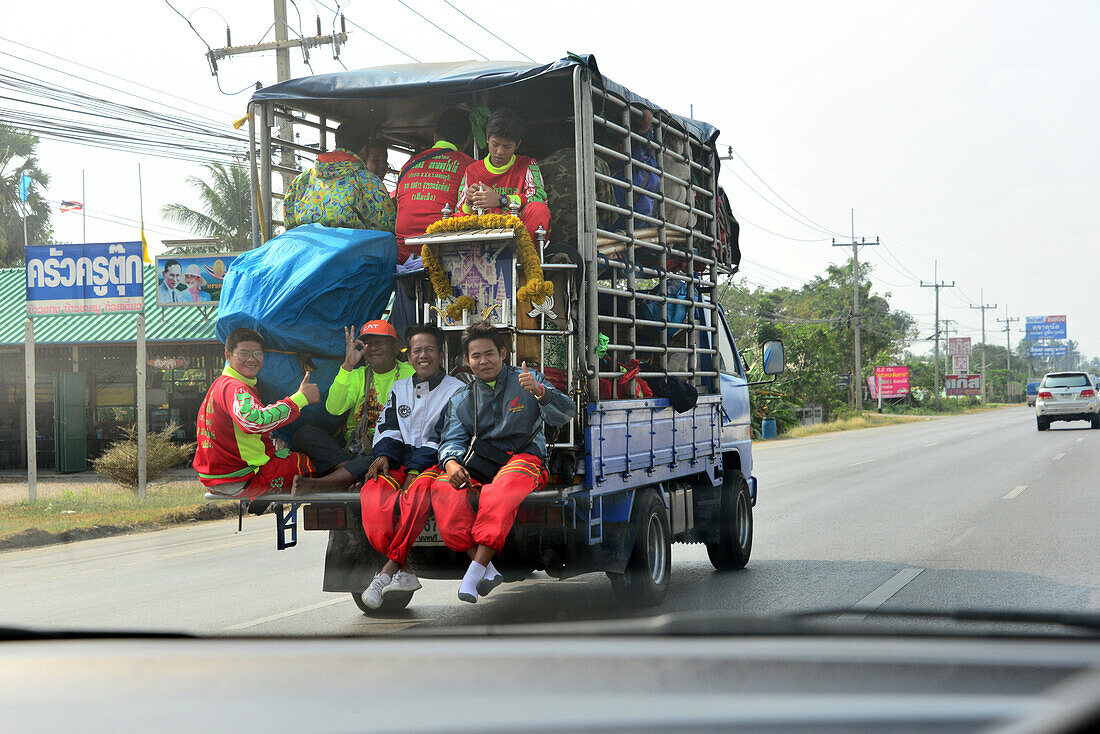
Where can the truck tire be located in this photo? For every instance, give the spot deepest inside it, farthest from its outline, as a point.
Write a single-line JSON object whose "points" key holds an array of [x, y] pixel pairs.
{"points": [[645, 581], [1095, 421], [390, 605], [731, 551], [1042, 424]]}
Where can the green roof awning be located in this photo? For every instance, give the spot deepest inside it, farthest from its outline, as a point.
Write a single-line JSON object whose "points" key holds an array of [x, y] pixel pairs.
{"points": [[176, 324]]}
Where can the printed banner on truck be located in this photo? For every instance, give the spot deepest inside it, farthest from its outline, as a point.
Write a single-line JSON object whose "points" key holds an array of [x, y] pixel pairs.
{"points": [[1046, 327], [63, 280], [963, 385], [192, 280], [960, 364], [958, 346], [894, 381]]}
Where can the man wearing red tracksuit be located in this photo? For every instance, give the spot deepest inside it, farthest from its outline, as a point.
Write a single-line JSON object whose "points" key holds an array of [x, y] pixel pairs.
{"points": [[503, 177], [236, 454], [405, 444], [508, 407]]}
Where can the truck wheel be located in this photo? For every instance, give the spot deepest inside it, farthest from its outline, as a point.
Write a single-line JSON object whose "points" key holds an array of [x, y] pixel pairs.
{"points": [[1096, 421], [1042, 424], [734, 545], [645, 582], [390, 604]]}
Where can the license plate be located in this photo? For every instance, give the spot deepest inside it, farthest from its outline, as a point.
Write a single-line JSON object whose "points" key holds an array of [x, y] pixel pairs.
{"points": [[429, 535]]}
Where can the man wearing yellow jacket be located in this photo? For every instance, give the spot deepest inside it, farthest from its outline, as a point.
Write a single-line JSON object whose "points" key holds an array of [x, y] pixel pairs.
{"points": [[350, 393]]}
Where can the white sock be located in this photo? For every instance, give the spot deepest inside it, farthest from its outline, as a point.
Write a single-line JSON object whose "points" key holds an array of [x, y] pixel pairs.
{"points": [[491, 571], [474, 574]]}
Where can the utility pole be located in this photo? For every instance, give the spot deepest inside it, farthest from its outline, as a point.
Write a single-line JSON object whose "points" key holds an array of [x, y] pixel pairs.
{"points": [[281, 45], [1008, 339], [937, 284], [984, 307], [857, 376], [947, 329]]}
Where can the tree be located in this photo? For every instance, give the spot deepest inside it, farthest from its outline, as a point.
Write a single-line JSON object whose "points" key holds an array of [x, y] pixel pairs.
{"points": [[16, 158], [226, 204]]}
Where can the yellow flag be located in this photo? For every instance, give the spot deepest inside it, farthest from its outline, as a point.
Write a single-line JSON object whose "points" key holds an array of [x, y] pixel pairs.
{"points": [[145, 248]]}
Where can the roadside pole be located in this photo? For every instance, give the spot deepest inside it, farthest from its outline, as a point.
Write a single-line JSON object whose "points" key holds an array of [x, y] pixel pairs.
{"points": [[142, 413], [32, 430], [857, 375], [878, 389], [937, 284], [985, 307]]}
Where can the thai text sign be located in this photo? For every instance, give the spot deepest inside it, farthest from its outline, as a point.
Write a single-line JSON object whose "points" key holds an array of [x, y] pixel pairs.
{"points": [[192, 280], [63, 280], [960, 364], [1053, 350], [963, 384], [958, 346], [1046, 327], [893, 382]]}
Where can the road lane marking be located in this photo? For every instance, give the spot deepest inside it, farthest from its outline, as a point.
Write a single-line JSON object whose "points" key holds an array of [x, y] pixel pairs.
{"points": [[878, 597], [865, 461], [973, 433], [284, 615], [1080, 439], [962, 536], [1015, 493], [1058, 457], [930, 445]]}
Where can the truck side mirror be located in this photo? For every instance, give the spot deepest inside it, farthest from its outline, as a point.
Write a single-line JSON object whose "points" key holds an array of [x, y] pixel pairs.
{"points": [[774, 362]]}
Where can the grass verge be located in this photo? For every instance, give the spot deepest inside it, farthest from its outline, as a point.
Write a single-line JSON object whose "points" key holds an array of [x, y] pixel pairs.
{"points": [[100, 509], [867, 420]]}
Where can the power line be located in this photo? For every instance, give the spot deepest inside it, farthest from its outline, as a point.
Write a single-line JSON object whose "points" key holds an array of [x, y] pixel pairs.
{"points": [[383, 41], [432, 23], [463, 14], [773, 204], [811, 223], [740, 218]]}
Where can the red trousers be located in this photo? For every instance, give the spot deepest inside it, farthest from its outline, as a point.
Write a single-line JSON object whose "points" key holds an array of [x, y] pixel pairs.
{"points": [[534, 214], [379, 497], [497, 504], [278, 474]]}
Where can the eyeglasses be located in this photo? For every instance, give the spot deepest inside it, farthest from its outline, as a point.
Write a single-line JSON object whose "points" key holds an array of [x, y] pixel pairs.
{"points": [[255, 354]]}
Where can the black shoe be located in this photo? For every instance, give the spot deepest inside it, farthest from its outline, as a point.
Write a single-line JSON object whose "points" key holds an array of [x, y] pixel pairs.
{"points": [[258, 507]]}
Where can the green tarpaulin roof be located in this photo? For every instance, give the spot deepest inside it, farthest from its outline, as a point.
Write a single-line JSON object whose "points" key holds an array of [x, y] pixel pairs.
{"points": [[175, 324]]}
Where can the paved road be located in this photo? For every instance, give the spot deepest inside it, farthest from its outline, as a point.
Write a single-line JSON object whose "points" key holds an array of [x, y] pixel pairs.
{"points": [[978, 510]]}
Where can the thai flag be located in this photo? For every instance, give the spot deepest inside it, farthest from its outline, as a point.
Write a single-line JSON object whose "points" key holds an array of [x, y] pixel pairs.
{"points": [[71, 206]]}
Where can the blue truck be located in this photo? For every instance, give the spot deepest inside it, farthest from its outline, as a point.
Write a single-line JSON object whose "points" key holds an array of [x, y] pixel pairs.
{"points": [[661, 449]]}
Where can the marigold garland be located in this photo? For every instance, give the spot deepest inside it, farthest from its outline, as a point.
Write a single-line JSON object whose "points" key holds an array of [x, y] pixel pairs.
{"points": [[535, 289]]}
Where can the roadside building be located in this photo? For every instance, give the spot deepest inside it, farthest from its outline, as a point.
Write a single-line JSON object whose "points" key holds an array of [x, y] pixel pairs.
{"points": [[100, 352]]}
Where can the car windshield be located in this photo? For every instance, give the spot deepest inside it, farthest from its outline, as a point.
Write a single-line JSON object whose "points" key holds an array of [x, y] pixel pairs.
{"points": [[1066, 381], [365, 319]]}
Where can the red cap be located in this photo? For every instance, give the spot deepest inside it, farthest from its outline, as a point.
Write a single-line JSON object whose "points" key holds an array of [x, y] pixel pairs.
{"points": [[377, 328]]}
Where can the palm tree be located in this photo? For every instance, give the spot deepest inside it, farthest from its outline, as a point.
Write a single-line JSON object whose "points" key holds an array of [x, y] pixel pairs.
{"points": [[16, 158], [226, 204]]}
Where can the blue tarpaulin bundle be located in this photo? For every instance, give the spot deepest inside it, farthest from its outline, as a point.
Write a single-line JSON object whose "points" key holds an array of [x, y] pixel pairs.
{"points": [[299, 291]]}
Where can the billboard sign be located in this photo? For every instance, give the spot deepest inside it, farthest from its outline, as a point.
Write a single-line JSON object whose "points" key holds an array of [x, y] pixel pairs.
{"points": [[1051, 350], [958, 346], [1046, 327], [894, 381], [192, 280], [963, 385], [63, 280], [960, 365]]}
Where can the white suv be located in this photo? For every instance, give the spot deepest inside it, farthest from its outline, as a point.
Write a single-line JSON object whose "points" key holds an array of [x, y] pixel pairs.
{"points": [[1067, 396]]}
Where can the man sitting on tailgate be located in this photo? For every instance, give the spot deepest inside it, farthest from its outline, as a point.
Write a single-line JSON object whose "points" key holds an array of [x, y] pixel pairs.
{"points": [[360, 391], [504, 177], [236, 454], [405, 444], [339, 190]]}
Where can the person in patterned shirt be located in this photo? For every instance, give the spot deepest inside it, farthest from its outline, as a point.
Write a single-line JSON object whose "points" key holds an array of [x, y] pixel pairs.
{"points": [[504, 178], [339, 190]]}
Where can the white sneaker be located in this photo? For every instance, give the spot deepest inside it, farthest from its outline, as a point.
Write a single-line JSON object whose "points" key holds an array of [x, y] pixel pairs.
{"points": [[403, 581], [372, 596]]}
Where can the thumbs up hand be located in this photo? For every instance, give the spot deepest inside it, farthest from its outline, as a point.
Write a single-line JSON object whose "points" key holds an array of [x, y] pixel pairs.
{"points": [[311, 391], [528, 382]]}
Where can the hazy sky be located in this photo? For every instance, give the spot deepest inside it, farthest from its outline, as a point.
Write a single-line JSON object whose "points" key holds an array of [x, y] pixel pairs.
{"points": [[960, 132]]}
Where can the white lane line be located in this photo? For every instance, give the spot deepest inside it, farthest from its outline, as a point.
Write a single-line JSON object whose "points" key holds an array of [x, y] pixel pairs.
{"points": [[973, 433], [1058, 457], [284, 615], [1081, 439], [962, 536], [865, 461], [877, 597], [1015, 493], [930, 445]]}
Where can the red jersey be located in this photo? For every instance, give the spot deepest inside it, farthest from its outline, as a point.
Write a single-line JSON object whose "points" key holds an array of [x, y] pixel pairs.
{"points": [[521, 179], [234, 428], [427, 183]]}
